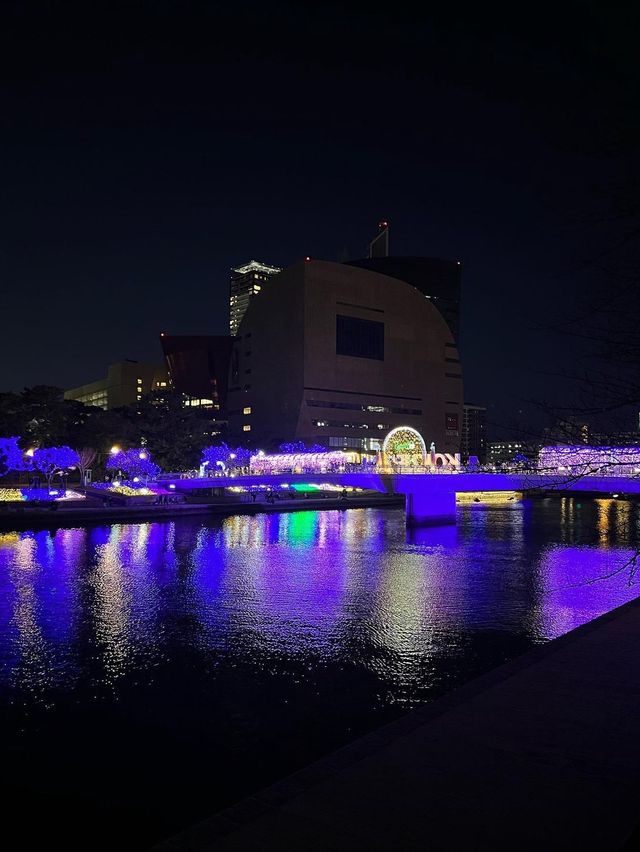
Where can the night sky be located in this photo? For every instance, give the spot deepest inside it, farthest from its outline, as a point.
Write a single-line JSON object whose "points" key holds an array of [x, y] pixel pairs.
{"points": [[149, 147]]}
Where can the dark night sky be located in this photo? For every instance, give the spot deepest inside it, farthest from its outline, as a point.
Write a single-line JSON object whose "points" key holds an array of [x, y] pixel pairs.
{"points": [[148, 147]]}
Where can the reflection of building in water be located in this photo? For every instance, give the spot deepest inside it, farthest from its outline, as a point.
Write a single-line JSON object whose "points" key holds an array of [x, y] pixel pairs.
{"points": [[614, 517]]}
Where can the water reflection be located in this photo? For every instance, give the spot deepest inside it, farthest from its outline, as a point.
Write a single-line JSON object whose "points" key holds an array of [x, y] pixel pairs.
{"points": [[230, 641], [318, 586]]}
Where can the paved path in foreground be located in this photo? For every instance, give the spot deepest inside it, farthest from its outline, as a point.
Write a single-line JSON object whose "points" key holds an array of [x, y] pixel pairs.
{"points": [[540, 754]]}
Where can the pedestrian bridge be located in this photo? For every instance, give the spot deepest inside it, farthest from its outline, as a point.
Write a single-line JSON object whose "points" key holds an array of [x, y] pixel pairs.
{"points": [[430, 497]]}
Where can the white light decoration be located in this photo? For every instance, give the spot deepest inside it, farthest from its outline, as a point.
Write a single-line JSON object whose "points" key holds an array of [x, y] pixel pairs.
{"points": [[334, 460], [586, 460]]}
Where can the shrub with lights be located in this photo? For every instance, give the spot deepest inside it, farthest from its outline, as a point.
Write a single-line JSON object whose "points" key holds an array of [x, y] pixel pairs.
{"points": [[11, 456], [222, 455], [52, 460], [296, 447]]}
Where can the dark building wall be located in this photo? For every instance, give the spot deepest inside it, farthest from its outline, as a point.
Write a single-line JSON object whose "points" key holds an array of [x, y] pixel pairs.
{"points": [[292, 376], [434, 277], [199, 365]]}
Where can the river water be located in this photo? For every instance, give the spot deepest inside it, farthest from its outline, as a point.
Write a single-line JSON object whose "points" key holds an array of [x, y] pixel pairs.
{"points": [[152, 673]]}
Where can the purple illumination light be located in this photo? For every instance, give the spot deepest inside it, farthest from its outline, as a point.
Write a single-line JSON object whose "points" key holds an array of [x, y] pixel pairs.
{"points": [[51, 460], [584, 460], [303, 462], [12, 455], [134, 462]]}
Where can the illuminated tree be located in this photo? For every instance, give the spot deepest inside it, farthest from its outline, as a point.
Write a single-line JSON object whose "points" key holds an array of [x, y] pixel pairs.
{"points": [[134, 462], [216, 453], [51, 460], [241, 457], [12, 457], [300, 447]]}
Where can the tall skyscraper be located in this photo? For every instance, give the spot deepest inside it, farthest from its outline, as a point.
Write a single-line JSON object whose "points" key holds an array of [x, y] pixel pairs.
{"points": [[474, 432], [246, 282]]}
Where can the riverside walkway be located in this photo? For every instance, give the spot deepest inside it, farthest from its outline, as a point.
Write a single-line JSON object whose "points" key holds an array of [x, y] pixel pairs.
{"points": [[541, 753]]}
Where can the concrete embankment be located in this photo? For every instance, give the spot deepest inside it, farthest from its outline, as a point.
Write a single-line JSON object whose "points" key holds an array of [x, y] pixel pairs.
{"points": [[46, 518], [541, 753]]}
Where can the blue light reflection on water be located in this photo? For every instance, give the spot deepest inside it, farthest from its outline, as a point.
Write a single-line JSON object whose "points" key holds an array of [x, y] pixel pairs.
{"points": [[262, 641]]}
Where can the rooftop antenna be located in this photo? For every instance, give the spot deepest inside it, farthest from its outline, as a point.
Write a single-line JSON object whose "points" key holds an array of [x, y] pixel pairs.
{"points": [[379, 245]]}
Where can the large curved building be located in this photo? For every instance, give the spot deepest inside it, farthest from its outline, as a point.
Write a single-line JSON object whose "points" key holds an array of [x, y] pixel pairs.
{"points": [[437, 279], [339, 355]]}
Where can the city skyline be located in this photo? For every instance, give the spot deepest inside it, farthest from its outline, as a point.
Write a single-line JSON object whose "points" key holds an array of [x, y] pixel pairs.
{"points": [[137, 175]]}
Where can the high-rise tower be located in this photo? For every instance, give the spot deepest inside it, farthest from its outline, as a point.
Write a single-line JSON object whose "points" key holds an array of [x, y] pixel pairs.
{"points": [[246, 282]]}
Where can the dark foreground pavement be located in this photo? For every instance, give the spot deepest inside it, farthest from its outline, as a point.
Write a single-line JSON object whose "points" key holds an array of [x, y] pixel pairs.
{"points": [[540, 754]]}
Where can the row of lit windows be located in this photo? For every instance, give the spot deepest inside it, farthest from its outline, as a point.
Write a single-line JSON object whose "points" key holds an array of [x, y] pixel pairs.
{"points": [[373, 444], [352, 406], [342, 425]]}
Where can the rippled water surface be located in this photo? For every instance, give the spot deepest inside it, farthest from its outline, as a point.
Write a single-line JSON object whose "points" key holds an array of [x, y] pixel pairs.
{"points": [[152, 673]]}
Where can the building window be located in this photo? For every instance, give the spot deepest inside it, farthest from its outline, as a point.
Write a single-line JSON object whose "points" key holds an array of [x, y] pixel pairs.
{"points": [[139, 381], [359, 338], [246, 428], [451, 422], [246, 409]]}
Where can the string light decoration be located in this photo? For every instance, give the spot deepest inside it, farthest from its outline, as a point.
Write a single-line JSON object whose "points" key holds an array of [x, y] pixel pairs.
{"points": [[51, 460], [307, 462], [12, 455], [404, 447], [133, 462], [584, 460]]}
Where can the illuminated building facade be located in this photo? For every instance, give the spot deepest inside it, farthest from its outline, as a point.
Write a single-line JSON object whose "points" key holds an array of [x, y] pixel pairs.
{"points": [[246, 282], [474, 432], [337, 355], [125, 384]]}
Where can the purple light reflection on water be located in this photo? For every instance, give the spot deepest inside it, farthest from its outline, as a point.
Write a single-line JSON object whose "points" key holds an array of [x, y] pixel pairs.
{"points": [[256, 643]]}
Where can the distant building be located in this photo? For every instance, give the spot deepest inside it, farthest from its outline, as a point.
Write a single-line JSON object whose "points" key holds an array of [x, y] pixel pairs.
{"points": [[125, 384], [504, 451], [474, 432], [246, 282], [338, 355], [199, 368], [567, 430]]}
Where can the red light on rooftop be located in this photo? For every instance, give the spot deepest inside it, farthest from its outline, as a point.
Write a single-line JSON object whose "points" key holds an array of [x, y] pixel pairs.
{"points": [[307, 259], [383, 224]]}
